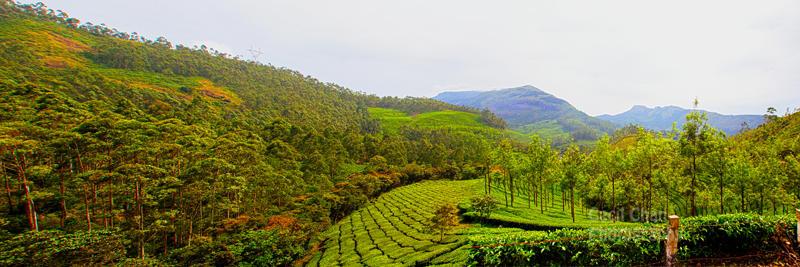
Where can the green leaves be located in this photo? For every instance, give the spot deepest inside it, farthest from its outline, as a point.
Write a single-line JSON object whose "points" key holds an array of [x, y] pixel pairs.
{"points": [[56, 248], [710, 236], [484, 205], [616, 247]]}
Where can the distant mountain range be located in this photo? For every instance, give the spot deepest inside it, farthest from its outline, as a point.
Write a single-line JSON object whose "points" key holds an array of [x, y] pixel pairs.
{"points": [[529, 109], [662, 118]]}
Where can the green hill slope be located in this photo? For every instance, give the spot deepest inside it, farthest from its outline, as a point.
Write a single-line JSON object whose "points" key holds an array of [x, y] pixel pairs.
{"points": [[531, 110], [172, 155], [785, 130], [392, 121], [160, 80]]}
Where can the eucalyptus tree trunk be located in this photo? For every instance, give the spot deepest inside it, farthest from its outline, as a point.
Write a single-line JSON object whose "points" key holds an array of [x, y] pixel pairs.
{"points": [[572, 202]]}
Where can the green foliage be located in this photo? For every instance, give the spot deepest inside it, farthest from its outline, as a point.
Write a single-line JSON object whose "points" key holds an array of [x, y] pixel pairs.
{"points": [[393, 230], [734, 234], [392, 120], [604, 247], [699, 237], [416, 105], [56, 248], [180, 154], [484, 205], [267, 248], [168, 145], [444, 219], [202, 251]]}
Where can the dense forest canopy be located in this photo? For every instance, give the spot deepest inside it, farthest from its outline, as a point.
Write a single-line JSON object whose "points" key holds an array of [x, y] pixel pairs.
{"points": [[150, 152]]}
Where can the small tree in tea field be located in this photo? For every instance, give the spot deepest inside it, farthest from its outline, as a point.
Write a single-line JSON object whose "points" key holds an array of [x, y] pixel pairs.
{"points": [[484, 206], [444, 219]]}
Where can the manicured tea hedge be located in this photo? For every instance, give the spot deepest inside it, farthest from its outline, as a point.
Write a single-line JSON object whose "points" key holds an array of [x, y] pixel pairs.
{"points": [[569, 247], [734, 234], [700, 237]]}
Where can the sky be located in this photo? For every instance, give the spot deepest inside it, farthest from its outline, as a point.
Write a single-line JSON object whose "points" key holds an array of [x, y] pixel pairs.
{"points": [[736, 57]]}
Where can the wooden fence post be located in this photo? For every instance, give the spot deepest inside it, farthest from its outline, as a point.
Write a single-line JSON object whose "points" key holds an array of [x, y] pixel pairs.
{"points": [[672, 240]]}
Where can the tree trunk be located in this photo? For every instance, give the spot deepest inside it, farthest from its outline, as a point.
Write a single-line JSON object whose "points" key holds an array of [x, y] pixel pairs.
{"points": [[140, 211], [510, 186], [530, 190], [649, 197], [488, 178], [111, 207], [505, 192], [8, 191], [613, 200], [666, 201], [29, 208], [741, 192], [191, 229], [693, 211], [541, 195], [165, 242], [772, 200], [22, 167], [62, 203], [86, 207], [572, 202], [721, 197]]}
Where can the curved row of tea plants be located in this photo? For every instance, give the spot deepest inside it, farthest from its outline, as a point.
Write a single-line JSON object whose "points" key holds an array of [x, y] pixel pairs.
{"points": [[392, 231]]}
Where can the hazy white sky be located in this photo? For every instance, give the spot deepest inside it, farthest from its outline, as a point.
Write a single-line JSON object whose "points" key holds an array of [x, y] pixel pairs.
{"points": [[601, 56]]}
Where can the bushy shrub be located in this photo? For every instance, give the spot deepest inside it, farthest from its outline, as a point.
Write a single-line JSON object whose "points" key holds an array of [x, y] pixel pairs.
{"points": [[267, 248], [733, 234], [203, 251], [271, 247], [484, 205], [56, 248], [607, 247], [699, 237], [138, 262]]}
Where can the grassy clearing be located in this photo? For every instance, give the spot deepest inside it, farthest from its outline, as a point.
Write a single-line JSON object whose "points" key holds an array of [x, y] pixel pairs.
{"points": [[392, 120], [555, 215], [547, 129]]}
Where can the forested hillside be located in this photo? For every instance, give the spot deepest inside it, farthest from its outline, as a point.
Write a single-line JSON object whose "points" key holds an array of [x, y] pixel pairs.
{"points": [[144, 150]]}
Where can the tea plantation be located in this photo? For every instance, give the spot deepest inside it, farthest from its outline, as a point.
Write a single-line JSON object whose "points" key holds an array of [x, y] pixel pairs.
{"points": [[392, 230]]}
